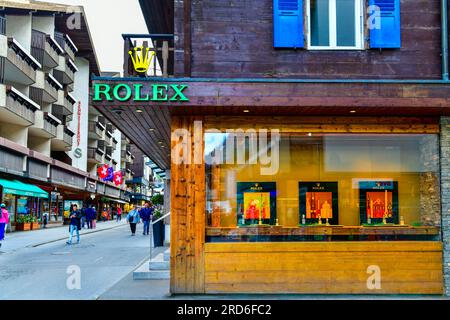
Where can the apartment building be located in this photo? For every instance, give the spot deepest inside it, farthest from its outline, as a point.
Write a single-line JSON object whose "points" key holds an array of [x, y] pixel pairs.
{"points": [[51, 139]]}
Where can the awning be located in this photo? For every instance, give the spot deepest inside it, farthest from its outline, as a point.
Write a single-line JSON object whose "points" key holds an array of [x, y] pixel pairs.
{"points": [[22, 189], [116, 200]]}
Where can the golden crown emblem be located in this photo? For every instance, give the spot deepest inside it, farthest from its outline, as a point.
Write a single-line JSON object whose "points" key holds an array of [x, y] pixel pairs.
{"points": [[141, 57]]}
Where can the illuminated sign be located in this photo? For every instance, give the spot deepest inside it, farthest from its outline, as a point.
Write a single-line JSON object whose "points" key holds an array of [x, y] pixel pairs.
{"points": [[142, 58], [125, 92]]}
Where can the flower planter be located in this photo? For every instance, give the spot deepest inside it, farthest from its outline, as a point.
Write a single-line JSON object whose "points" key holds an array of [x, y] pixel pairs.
{"points": [[35, 226], [23, 227], [158, 234]]}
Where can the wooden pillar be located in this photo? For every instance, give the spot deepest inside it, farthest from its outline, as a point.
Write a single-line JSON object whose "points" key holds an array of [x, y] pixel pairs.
{"points": [[188, 211]]}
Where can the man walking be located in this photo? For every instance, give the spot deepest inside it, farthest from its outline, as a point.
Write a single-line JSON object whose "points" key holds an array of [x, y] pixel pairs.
{"points": [[119, 214], [146, 215], [133, 220], [75, 224], [4, 220]]}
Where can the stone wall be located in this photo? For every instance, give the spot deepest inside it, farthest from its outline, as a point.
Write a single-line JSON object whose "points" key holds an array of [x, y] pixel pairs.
{"points": [[430, 202], [445, 197]]}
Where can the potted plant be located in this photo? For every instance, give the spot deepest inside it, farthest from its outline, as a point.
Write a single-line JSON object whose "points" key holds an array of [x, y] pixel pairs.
{"points": [[23, 223], [158, 229], [35, 224]]}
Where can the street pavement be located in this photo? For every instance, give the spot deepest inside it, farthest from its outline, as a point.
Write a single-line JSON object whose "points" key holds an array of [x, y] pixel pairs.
{"points": [[39, 265]]}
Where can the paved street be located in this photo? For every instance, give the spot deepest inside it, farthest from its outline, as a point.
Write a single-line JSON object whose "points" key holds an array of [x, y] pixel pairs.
{"points": [[32, 270]]}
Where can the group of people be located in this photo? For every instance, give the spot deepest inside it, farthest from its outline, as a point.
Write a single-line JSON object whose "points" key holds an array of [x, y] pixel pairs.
{"points": [[144, 214], [80, 219], [87, 216]]}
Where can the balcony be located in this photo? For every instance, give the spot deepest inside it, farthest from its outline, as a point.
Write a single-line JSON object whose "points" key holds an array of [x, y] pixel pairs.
{"points": [[126, 156], [20, 66], [96, 130], [46, 89], [95, 155], [45, 49], [16, 108], [108, 138], [65, 72], [45, 125], [66, 44], [114, 143], [63, 140], [64, 105]]}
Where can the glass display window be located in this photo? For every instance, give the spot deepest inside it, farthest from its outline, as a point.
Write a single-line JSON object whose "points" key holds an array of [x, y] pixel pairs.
{"points": [[342, 186]]}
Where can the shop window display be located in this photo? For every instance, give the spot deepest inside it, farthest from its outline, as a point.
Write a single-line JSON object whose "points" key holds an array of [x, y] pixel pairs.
{"points": [[326, 187]]}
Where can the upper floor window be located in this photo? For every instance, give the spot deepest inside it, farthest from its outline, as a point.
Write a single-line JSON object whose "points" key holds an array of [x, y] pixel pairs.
{"points": [[335, 24]]}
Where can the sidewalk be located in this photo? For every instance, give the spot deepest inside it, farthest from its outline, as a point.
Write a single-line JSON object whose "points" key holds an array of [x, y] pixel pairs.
{"points": [[31, 239]]}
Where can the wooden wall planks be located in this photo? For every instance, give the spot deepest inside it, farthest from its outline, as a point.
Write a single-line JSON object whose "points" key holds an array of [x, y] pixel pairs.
{"points": [[323, 268], [235, 39]]}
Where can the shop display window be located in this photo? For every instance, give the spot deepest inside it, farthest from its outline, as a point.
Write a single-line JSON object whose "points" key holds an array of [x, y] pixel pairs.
{"points": [[322, 187]]}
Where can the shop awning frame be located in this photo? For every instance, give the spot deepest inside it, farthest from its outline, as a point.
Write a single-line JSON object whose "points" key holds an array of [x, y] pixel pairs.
{"points": [[22, 189]]}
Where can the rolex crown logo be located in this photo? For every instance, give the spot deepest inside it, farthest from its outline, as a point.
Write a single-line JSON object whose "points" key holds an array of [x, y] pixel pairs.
{"points": [[141, 57]]}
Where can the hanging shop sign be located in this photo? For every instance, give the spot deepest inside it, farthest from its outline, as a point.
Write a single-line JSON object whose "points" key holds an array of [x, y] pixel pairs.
{"points": [[124, 92]]}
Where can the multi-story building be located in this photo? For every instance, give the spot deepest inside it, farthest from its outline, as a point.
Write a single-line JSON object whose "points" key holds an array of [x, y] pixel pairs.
{"points": [[310, 142], [51, 139]]}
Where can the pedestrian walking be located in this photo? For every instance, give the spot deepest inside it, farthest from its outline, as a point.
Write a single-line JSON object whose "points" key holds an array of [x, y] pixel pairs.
{"points": [[4, 220], [104, 214], [94, 217], [75, 224], [133, 220], [146, 214], [45, 220], [119, 214], [83, 217]]}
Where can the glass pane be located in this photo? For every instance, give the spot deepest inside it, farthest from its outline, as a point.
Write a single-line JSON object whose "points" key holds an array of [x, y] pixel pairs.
{"points": [[346, 24], [278, 187], [320, 23]]}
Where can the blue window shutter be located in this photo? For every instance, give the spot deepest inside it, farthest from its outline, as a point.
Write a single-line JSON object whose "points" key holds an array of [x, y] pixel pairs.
{"points": [[288, 24], [389, 35]]}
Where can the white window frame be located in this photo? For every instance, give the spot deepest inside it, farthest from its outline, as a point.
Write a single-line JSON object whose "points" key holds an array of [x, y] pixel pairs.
{"points": [[359, 27]]}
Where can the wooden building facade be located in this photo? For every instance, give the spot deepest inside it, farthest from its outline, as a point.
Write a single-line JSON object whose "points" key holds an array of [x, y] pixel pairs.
{"points": [[343, 181]]}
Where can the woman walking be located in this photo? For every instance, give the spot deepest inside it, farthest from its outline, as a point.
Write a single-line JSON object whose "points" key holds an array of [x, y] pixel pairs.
{"points": [[4, 220], [133, 219]]}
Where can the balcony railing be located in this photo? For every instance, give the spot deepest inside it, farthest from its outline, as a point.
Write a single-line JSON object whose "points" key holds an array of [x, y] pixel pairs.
{"points": [[45, 49], [68, 136], [20, 105], [96, 130], [163, 47], [21, 64], [95, 155], [67, 44]]}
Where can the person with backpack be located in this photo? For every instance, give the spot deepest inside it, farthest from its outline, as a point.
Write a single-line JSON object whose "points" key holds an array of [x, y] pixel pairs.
{"points": [[133, 220], [75, 224]]}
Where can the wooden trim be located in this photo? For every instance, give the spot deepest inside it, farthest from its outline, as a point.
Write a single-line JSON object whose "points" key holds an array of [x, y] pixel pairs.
{"points": [[298, 124], [323, 268], [188, 216], [187, 38]]}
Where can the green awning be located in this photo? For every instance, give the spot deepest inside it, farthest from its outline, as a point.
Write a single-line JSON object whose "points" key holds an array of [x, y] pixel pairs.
{"points": [[22, 189]]}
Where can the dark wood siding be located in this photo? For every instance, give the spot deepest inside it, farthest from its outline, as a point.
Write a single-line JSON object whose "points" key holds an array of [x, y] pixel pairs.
{"points": [[233, 38]]}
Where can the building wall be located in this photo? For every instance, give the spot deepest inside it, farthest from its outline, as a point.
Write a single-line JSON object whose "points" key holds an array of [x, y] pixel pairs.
{"points": [[117, 154], [445, 196], [19, 27], [235, 39], [81, 93], [44, 24]]}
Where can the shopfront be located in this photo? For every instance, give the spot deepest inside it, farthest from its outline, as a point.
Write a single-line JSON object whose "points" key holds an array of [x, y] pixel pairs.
{"points": [[305, 187], [22, 199]]}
